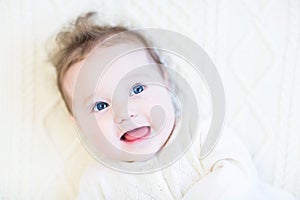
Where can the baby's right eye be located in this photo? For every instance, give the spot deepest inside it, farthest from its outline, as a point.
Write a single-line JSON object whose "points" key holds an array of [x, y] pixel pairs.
{"points": [[100, 106]]}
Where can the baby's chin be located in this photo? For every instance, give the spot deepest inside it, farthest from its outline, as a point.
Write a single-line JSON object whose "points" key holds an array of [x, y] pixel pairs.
{"points": [[141, 157], [138, 158]]}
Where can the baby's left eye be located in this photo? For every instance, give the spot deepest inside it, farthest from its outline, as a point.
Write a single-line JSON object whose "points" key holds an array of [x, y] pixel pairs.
{"points": [[137, 89]]}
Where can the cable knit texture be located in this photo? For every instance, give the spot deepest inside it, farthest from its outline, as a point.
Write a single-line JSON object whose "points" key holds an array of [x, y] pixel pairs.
{"points": [[254, 43]]}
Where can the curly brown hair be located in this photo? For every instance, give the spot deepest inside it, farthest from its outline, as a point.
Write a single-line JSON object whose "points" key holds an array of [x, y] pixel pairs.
{"points": [[76, 40]]}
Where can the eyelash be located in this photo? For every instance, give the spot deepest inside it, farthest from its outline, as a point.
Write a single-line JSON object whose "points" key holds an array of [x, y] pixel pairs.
{"points": [[134, 86], [130, 94], [97, 103]]}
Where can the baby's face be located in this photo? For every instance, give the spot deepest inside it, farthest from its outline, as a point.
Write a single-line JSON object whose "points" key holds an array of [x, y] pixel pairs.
{"points": [[128, 115]]}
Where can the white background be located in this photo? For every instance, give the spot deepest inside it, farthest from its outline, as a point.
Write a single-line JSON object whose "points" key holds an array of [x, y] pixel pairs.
{"points": [[254, 43]]}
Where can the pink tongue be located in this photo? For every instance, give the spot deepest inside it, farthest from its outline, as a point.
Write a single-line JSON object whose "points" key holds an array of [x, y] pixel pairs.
{"points": [[136, 133]]}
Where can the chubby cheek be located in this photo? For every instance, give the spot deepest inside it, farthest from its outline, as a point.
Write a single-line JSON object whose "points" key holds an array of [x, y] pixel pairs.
{"points": [[157, 106], [99, 131], [105, 125]]}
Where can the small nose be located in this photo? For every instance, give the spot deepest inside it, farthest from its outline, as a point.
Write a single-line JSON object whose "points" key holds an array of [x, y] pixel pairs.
{"points": [[121, 117], [123, 113], [122, 109]]}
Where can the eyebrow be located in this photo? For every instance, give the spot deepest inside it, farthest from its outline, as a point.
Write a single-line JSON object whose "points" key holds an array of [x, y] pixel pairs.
{"points": [[89, 99]]}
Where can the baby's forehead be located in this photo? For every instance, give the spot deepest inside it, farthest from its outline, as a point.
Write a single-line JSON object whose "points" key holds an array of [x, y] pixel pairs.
{"points": [[127, 42], [133, 40], [110, 56], [122, 51]]}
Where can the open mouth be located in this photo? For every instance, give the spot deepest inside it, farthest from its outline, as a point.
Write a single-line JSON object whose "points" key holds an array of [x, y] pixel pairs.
{"points": [[136, 134]]}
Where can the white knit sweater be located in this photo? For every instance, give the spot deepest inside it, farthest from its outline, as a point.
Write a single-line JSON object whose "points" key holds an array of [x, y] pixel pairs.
{"points": [[226, 173]]}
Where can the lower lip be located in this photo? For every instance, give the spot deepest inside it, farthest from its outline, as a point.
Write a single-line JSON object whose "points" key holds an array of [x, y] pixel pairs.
{"points": [[139, 139]]}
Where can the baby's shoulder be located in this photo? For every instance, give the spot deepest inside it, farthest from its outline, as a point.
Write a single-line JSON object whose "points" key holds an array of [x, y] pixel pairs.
{"points": [[229, 147]]}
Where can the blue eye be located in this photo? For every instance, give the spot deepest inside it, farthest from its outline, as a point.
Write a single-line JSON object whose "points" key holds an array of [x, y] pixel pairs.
{"points": [[137, 89], [100, 106]]}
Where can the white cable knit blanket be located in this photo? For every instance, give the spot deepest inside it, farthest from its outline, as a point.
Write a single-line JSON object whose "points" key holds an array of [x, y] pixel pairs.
{"points": [[255, 45]]}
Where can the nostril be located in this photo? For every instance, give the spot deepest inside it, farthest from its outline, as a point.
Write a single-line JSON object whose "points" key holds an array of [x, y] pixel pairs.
{"points": [[120, 118]]}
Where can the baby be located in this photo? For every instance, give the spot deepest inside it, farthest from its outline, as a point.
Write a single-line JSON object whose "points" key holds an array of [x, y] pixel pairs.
{"points": [[127, 118]]}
